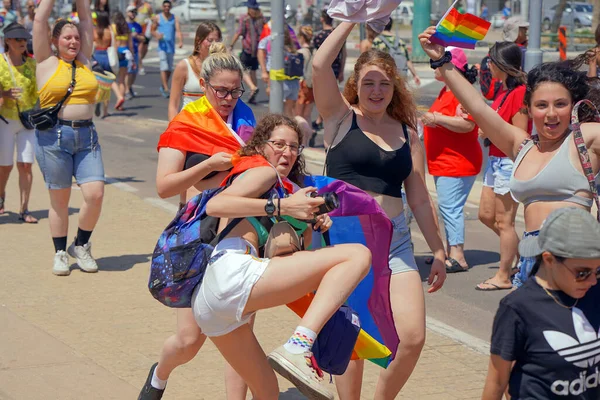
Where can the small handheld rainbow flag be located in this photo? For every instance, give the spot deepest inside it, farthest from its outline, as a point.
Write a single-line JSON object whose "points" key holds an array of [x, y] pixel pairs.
{"points": [[459, 30]]}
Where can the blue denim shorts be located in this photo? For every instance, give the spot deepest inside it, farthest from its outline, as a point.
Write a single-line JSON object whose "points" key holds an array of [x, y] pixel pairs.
{"points": [[497, 174], [63, 152], [291, 89], [525, 264], [401, 258], [166, 60]]}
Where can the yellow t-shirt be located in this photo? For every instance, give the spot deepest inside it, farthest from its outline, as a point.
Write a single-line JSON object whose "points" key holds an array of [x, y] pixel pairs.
{"points": [[25, 79]]}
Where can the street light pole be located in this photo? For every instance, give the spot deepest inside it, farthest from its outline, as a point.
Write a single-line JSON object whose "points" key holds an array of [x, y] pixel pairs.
{"points": [[277, 27], [533, 55], [421, 21]]}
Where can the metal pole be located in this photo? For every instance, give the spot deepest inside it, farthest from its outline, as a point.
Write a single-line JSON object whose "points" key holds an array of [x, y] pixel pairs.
{"points": [[533, 55], [422, 20], [277, 27]]}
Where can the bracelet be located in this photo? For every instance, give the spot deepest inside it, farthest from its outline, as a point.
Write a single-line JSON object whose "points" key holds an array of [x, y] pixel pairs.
{"points": [[279, 206], [446, 58]]}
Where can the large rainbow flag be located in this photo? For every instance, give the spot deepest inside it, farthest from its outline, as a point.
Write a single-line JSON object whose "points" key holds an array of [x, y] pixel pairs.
{"points": [[358, 220], [460, 30], [361, 220], [200, 129]]}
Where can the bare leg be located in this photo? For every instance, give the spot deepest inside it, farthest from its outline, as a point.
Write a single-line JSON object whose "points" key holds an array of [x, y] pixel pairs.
{"points": [[25, 183], [248, 81], [58, 215], [164, 78], [288, 108], [349, 385], [181, 347], [4, 174], [408, 307], [93, 194], [506, 211], [487, 208], [143, 51]]}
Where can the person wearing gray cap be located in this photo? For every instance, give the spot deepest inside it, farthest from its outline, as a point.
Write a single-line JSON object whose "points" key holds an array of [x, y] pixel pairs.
{"points": [[550, 327], [19, 93], [515, 30]]}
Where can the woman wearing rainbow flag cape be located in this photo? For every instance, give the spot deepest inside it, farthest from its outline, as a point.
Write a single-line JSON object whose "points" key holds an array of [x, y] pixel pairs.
{"points": [[371, 131], [237, 283], [183, 163]]}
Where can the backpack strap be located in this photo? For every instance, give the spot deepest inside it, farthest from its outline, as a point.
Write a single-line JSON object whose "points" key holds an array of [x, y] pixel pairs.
{"points": [[226, 231], [337, 130], [584, 156]]}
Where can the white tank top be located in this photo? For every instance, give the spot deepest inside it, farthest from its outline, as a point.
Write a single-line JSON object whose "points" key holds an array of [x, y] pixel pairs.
{"points": [[191, 89]]}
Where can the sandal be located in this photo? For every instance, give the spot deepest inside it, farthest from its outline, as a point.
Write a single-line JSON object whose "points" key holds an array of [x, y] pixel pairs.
{"points": [[252, 98], [119, 105], [493, 288], [27, 218], [454, 266]]}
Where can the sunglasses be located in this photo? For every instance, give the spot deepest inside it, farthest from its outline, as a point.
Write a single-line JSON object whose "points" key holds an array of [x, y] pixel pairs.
{"points": [[582, 274]]}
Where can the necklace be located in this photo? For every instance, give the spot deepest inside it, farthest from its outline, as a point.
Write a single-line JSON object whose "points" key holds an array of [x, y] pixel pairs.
{"points": [[558, 302]]}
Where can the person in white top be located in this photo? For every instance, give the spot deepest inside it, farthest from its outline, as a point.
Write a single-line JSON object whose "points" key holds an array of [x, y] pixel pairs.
{"points": [[186, 76]]}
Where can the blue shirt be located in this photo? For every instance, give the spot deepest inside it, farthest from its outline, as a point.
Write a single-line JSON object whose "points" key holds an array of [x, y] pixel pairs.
{"points": [[167, 28], [137, 28]]}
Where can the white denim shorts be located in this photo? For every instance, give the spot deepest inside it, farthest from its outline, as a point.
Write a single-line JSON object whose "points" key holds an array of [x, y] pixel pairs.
{"points": [[218, 302]]}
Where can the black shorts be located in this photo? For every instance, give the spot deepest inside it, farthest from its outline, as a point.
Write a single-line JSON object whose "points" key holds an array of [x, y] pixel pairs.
{"points": [[145, 40], [248, 61]]}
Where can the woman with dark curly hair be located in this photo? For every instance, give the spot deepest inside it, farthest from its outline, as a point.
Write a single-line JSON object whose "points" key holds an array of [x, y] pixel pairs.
{"points": [[547, 173], [374, 146], [236, 283]]}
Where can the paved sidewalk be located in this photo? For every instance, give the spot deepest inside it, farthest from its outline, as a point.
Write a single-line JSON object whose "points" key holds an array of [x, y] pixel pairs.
{"points": [[94, 336]]}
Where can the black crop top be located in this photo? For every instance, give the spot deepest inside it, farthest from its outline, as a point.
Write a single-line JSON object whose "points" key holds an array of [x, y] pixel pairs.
{"points": [[361, 162], [192, 159]]}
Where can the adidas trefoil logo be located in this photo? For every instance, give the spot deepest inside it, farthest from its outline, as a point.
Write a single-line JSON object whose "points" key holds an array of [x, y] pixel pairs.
{"points": [[583, 352]]}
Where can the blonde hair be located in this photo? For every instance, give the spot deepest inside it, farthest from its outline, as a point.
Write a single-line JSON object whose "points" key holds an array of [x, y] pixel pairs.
{"points": [[306, 32], [219, 59]]}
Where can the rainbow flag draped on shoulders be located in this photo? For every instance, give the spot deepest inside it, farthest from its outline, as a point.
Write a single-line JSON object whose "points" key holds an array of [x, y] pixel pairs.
{"points": [[361, 220], [200, 129], [460, 30]]}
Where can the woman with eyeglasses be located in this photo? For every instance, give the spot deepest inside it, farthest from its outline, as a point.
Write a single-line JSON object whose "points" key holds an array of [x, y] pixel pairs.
{"points": [[184, 171], [545, 339]]}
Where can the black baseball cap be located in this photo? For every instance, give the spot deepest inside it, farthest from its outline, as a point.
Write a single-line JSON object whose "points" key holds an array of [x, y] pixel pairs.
{"points": [[16, 31]]}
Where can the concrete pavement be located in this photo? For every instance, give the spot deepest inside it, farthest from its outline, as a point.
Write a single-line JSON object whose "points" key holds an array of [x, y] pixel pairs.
{"points": [[94, 336]]}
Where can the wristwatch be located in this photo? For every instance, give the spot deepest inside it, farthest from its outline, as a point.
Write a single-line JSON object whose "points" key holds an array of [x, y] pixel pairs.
{"points": [[270, 207], [446, 58]]}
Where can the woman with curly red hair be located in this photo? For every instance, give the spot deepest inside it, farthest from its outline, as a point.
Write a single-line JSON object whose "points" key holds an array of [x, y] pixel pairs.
{"points": [[370, 131]]}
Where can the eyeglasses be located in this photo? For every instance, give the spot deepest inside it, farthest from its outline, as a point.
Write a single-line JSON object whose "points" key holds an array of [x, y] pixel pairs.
{"points": [[222, 93], [581, 276], [280, 146]]}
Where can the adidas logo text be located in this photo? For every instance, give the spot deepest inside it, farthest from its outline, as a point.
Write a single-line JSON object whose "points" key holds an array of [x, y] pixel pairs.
{"points": [[577, 386]]}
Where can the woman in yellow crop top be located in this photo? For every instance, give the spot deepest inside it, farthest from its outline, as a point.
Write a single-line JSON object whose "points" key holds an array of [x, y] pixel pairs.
{"points": [[17, 86], [71, 147]]}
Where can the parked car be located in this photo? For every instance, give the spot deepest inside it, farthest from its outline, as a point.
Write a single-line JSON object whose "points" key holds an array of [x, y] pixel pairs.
{"points": [[497, 20], [575, 15], [404, 14], [195, 10], [240, 9]]}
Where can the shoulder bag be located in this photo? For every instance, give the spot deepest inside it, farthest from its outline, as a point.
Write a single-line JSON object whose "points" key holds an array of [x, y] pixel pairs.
{"points": [[23, 115], [584, 156], [46, 118]]}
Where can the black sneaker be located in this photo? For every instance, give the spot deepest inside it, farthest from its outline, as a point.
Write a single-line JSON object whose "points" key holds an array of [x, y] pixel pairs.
{"points": [[148, 391], [252, 98], [316, 126]]}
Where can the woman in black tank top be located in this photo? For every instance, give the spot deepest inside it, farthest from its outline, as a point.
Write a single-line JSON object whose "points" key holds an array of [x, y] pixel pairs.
{"points": [[371, 130]]}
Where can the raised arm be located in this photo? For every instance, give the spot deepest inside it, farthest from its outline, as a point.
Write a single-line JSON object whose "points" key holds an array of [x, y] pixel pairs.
{"points": [[241, 198], [330, 102], [41, 41], [504, 135], [86, 28]]}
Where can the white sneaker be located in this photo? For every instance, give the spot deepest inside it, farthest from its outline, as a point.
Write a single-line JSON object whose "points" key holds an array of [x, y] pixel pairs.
{"points": [[61, 264], [83, 255], [142, 71], [301, 370]]}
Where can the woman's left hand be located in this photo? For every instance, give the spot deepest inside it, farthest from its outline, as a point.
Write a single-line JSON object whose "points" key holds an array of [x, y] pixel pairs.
{"points": [[323, 223], [428, 119], [437, 276]]}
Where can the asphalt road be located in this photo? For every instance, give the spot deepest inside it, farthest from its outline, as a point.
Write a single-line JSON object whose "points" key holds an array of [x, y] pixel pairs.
{"points": [[129, 148]]}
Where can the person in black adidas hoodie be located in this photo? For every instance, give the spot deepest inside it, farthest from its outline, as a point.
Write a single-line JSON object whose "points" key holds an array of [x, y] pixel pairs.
{"points": [[546, 335]]}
